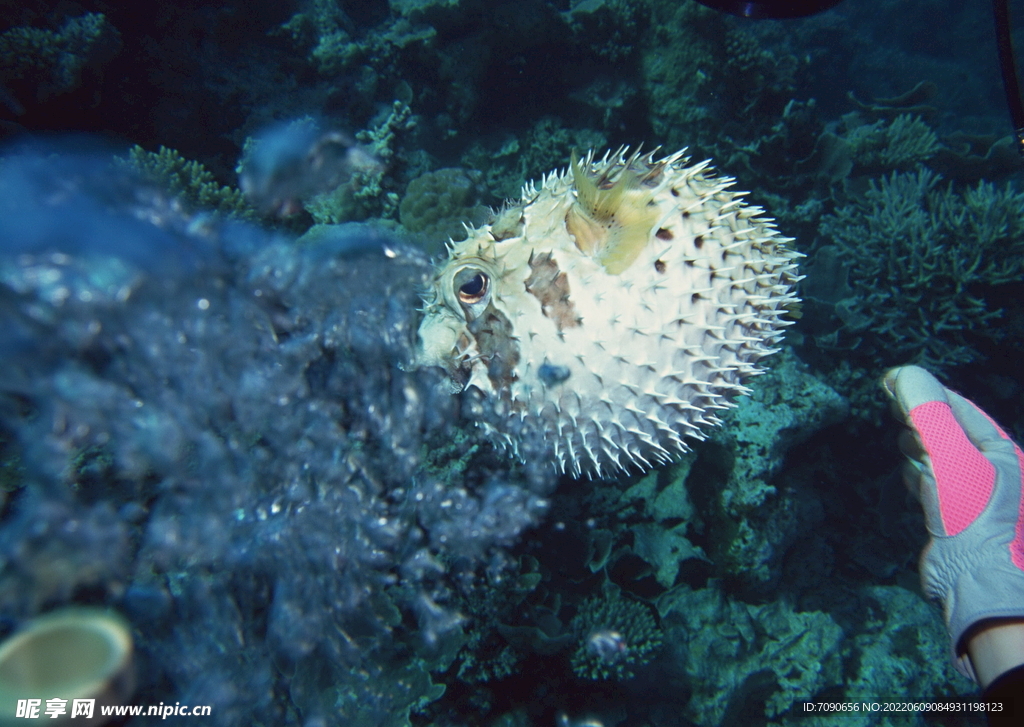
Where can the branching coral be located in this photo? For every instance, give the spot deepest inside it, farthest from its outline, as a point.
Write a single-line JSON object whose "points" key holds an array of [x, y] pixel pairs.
{"points": [[190, 180], [923, 260], [368, 193], [54, 60], [901, 144]]}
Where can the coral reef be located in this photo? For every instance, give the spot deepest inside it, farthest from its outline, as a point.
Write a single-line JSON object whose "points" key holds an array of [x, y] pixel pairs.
{"points": [[438, 205], [924, 261], [46, 63], [209, 427], [900, 144], [370, 192], [902, 649], [188, 180], [747, 662], [508, 166], [696, 66], [615, 636], [751, 520], [733, 652], [722, 509]]}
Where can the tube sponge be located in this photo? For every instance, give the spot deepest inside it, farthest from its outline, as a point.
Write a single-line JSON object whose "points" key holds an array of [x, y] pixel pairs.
{"points": [[73, 653]]}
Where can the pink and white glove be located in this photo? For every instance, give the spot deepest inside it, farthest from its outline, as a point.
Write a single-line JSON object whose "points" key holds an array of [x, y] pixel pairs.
{"points": [[967, 473]]}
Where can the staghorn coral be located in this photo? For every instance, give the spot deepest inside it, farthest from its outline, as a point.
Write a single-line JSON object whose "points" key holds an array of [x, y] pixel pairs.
{"points": [[52, 62], [189, 180], [924, 261], [368, 192]]}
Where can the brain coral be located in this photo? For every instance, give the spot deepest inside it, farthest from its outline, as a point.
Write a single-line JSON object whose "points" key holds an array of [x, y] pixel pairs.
{"points": [[439, 204]]}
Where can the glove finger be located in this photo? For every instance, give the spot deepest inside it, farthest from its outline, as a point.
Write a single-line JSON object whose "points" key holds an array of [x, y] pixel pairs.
{"points": [[911, 386], [984, 433], [908, 387], [957, 478], [913, 466]]}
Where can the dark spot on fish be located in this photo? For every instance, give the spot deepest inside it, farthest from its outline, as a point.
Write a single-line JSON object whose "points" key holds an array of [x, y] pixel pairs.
{"points": [[551, 374], [698, 241], [497, 346], [659, 265], [550, 286], [663, 234]]}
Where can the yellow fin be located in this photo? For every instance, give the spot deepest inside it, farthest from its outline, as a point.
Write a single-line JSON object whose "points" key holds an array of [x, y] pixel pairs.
{"points": [[613, 224]]}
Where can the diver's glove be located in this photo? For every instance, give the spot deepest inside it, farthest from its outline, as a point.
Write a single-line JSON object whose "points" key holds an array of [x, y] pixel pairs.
{"points": [[967, 473]]}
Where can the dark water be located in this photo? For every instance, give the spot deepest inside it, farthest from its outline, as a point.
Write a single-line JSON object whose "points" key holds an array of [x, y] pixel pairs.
{"points": [[213, 429]]}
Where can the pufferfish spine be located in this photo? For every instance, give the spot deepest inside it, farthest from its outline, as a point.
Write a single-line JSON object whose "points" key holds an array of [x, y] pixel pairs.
{"points": [[616, 309]]}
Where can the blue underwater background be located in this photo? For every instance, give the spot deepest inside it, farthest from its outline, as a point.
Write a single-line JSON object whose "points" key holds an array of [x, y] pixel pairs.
{"points": [[208, 424]]}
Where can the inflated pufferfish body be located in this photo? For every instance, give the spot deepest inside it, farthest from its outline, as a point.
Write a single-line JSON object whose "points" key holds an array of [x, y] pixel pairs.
{"points": [[616, 309]]}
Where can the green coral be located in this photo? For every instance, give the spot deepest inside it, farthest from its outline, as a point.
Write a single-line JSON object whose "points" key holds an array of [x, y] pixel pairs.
{"points": [[711, 85], [900, 144], [731, 651], [615, 635], [324, 30], [488, 655], [54, 60], [611, 29], [923, 260], [749, 516], [387, 697], [720, 507], [189, 180], [437, 205], [649, 519], [677, 67], [320, 29], [369, 192], [902, 648], [743, 658], [520, 159]]}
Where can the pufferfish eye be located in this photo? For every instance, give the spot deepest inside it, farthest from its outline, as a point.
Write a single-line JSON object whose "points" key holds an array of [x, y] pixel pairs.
{"points": [[472, 286]]}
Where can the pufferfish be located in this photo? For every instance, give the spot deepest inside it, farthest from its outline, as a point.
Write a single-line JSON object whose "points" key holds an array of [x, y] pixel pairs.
{"points": [[615, 309]]}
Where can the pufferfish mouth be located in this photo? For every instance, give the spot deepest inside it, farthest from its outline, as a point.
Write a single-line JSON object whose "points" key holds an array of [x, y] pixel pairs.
{"points": [[444, 343]]}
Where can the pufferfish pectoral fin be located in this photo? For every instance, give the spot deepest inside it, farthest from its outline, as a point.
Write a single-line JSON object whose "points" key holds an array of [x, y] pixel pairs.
{"points": [[613, 223]]}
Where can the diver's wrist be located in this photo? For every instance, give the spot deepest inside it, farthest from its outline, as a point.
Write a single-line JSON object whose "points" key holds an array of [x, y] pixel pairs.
{"points": [[995, 646]]}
